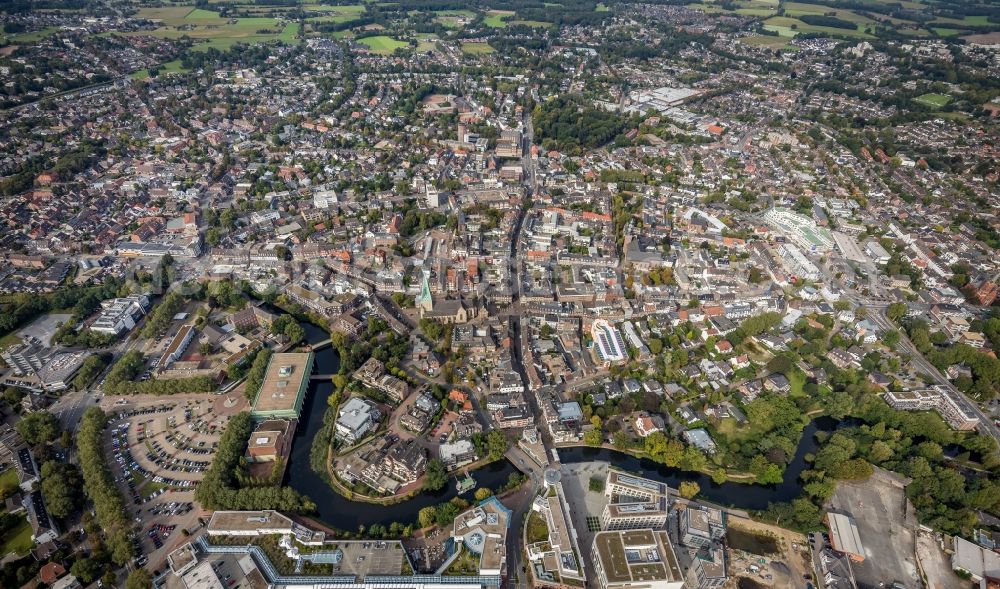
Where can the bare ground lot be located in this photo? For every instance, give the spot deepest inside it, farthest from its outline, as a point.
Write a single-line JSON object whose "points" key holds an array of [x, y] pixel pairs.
{"points": [[935, 564], [886, 524], [785, 568]]}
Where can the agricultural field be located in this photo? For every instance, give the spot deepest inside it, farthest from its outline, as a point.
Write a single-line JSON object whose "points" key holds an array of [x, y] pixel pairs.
{"points": [[221, 33], [476, 48], [789, 27], [426, 42], [795, 9], [382, 44], [767, 41], [453, 19], [601, 8], [530, 23], [29, 37], [933, 100], [347, 9], [945, 32], [497, 19]]}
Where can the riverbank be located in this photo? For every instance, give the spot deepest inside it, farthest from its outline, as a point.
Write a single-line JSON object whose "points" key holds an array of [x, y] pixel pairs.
{"points": [[737, 477], [737, 494]]}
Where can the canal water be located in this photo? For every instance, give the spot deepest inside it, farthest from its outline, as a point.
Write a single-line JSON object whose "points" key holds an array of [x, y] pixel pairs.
{"points": [[337, 511], [739, 495], [334, 509]]}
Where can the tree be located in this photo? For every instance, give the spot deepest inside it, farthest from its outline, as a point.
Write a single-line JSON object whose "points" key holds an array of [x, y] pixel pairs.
{"points": [[891, 338], [719, 476], [693, 459], [620, 440], [664, 450], [896, 311], [38, 428], [435, 475], [593, 437], [60, 487], [86, 569], [689, 489], [427, 516], [496, 444], [880, 451], [482, 494]]}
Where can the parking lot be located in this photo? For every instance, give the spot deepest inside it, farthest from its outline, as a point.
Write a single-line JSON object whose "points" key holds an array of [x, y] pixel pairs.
{"points": [[167, 444], [427, 552], [161, 448]]}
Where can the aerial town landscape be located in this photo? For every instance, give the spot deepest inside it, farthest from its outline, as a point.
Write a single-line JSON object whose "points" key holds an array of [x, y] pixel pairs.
{"points": [[429, 294]]}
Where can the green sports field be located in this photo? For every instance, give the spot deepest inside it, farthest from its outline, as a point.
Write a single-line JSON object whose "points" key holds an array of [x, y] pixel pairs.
{"points": [[382, 44], [476, 48], [933, 100]]}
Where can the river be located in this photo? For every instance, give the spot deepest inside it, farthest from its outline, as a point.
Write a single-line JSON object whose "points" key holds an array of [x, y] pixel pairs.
{"points": [[333, 508], [739, 495]]}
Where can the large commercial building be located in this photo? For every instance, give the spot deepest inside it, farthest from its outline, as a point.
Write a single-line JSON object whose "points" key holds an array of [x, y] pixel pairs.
{"points": [[608, 342], [482, 531], [950, 405], [634, 503], [353, 564], [120, 315], [797, 264], [556, 561], [700, 526], [800, 230], [284, 387], [175, 350], [356, 418], [844, 536], [636, 559], [622, 484]]}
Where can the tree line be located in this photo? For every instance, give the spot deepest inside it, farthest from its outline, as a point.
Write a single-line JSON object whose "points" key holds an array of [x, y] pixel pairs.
{"points": [[99, 484], [219, 489]]}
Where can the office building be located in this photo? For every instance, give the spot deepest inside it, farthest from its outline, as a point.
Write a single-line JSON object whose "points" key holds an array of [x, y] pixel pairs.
{"points": [[637, 559]]}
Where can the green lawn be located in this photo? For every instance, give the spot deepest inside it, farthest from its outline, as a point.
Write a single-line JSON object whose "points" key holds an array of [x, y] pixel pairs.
{"points": [[537, 531], [382, 44], [9, 340], [945, 32], [497, 19], [600, 8], [171, 67], [462, 13], [426, 42], [530, 23], [168, 15], [29, 37], [476, 48], [335, 18], [200, 16], [352, 9], [8, 480], [933, 100], [18, 540], [755, 11]]}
